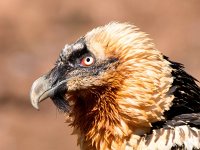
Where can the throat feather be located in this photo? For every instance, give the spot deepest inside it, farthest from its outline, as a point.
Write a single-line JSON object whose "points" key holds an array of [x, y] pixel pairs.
{"points": [[97, 119]]}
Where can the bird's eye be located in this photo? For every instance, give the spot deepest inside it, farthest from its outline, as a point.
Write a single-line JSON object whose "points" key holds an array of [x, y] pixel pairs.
{"points": [[87, 61]]}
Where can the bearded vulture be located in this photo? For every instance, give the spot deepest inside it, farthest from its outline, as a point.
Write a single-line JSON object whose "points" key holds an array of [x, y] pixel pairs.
{"points": [[120, 93]]}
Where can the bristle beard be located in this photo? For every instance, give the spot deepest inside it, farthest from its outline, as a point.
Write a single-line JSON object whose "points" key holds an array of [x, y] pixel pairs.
{"points": [[61, 103]]}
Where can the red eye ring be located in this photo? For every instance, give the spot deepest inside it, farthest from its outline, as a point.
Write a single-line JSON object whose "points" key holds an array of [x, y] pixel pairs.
{"points": [[87, 61]]}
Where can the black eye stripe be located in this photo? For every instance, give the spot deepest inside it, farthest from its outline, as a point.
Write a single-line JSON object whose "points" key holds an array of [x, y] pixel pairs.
{"points": [[97, 68], [77, 54]]}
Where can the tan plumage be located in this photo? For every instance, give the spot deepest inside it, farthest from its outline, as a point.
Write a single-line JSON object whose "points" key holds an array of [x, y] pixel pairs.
{"points": [[125, 99]]}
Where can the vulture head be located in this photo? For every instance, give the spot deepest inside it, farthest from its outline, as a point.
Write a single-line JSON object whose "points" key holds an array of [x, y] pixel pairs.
{"points": [[114, 86]]}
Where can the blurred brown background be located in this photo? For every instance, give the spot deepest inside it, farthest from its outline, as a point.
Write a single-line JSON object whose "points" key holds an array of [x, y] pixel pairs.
{"points": [[33, 32]]}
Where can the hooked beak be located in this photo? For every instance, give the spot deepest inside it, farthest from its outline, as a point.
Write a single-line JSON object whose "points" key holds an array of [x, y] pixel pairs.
{"points": [[43, 88]]}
